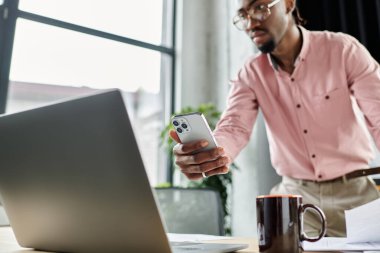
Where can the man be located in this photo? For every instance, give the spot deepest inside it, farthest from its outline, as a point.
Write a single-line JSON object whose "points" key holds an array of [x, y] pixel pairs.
{"points": [[306, 84]]}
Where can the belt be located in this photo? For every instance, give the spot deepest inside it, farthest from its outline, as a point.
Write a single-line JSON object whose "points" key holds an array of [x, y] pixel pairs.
{"points": [[351, 175], [363, 172]]}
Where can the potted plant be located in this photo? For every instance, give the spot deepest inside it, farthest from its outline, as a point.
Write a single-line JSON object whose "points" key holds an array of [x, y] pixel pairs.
{"points": [[222, 182]]}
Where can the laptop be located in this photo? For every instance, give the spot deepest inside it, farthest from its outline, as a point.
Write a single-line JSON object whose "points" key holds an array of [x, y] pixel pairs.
{"points": [[72, 180]]}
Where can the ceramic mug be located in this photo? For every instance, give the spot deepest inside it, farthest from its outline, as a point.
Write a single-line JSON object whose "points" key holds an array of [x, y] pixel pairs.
{"points": [[280, 223]]}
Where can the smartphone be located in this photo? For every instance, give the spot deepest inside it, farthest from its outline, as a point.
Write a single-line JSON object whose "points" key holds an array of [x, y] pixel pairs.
{"points": [[194, 127]]}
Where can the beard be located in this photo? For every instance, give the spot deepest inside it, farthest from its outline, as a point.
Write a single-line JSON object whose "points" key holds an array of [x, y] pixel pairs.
{"points": [[267, 47]]}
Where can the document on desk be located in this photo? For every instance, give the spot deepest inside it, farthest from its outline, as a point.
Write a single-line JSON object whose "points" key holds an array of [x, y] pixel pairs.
{"points": [[339, 244], [363, 231], [363, 223]]}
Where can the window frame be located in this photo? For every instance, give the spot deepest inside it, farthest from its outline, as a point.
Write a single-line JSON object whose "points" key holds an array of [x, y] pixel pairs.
{"points": [[9, 13]]}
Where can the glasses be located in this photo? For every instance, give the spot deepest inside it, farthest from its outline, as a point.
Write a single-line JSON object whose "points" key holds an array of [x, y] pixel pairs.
{"points": [[259, 12]]}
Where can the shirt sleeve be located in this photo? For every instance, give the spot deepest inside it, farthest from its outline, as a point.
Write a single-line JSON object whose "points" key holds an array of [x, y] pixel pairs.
{"points": [[235, 126], [363, 75]]}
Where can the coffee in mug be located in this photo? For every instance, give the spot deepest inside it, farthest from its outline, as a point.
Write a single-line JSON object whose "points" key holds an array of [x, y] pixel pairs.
{"points": [[280, 223]]}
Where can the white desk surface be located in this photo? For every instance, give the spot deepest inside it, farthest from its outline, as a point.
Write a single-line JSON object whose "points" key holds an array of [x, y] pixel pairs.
{"points": [[8, 243]]}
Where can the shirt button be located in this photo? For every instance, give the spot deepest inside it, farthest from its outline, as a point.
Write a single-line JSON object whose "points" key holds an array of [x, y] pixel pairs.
{"points": [[292, 79], [313, 156], [327, 97], [305, 131], [298, 106], [320, 176]]}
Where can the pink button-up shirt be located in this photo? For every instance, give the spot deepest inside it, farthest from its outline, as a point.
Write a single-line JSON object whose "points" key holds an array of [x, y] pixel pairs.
{"points": [[312, 129]]}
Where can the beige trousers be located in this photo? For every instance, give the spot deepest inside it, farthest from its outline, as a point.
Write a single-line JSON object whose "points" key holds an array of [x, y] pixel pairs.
{"points": [[332, 197]]}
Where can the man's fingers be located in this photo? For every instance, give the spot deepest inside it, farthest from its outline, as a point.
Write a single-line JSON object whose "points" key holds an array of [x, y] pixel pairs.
{"points": [[221, 170], [207, 156], [188, 148], [217, 171], [204, 167], [173, 134], [201, 157]]}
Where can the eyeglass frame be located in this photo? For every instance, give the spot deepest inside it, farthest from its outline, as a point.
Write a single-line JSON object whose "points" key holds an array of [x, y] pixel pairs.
{"points": [[250, 14]]}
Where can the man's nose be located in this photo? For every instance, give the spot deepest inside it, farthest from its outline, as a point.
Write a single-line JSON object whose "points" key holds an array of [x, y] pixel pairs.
{"points": [[252, 24]]}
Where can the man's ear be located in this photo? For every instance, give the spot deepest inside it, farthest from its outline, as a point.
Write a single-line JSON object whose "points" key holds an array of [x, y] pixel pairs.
{"points": [[290, 5]]}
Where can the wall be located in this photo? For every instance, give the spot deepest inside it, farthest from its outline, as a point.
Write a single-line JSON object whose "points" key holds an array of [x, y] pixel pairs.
{"points": [[202, 46], [210, 52]]}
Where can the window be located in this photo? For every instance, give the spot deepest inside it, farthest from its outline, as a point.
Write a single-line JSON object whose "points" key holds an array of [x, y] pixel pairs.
{"points": [[64, 48], [144, 16]]}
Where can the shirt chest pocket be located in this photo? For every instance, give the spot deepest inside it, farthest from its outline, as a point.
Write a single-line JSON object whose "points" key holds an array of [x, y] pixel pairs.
{"points": [[332, 109]]}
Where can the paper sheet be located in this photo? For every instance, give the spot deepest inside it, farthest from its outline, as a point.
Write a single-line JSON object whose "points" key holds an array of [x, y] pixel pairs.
{"points": [[363, 231], [363, 223], [194, 237], [338, 244]]}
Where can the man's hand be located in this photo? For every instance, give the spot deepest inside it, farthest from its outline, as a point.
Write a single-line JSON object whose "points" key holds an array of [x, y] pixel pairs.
{"points": [[210, 162]]}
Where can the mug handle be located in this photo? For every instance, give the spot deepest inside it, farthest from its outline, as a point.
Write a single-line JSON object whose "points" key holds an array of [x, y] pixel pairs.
{"points": [[303, 235]]}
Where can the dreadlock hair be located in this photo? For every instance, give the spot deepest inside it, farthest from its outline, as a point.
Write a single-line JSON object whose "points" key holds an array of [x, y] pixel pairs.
{"points": [[297, 17]]}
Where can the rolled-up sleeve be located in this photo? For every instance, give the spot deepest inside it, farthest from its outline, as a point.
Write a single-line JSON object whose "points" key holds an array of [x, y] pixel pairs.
{"points": [[363, 75], [235, 126]]}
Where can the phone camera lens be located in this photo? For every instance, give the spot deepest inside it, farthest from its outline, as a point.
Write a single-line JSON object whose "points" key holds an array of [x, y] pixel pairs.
{"points": [[179, 130], [175, 123], [184, 125]]}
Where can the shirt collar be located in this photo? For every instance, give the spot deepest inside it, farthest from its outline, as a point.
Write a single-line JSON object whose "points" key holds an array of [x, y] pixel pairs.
{"points": [[305, 43], [304, 50], [272, 62]]}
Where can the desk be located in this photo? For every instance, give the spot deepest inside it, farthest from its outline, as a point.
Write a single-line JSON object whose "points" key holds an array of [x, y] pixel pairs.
{"points": [[8, 243]]}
